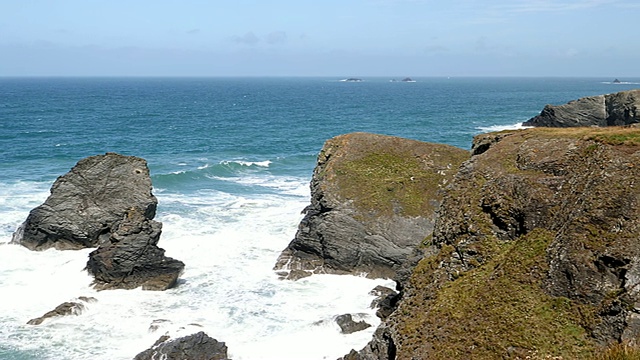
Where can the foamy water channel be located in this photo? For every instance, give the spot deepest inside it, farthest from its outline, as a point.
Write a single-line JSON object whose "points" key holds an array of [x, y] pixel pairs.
{"points": [[229, 244]]}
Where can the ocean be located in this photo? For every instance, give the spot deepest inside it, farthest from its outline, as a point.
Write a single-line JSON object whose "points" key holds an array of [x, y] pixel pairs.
{"points": [[230, 160]]}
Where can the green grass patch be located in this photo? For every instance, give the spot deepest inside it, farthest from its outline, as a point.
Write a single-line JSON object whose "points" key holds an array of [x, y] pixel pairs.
{"points": [[612, 135], [500, 308], [388, 183], [619, 352]]}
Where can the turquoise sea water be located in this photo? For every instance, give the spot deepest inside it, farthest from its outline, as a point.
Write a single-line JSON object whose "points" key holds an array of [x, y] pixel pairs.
{"points": [[230, 160]]}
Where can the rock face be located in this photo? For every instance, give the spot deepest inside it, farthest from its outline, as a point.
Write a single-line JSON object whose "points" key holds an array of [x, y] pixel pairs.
{"points": [[535, 253], [105, 201], [385, 301], [87, 204], [131, 257], [197, 346], [373, 201], [621, 108]]}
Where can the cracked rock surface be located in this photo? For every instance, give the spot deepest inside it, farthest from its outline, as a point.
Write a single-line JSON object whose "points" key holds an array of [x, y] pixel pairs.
{"points": [[87, 204], [105, 201]]}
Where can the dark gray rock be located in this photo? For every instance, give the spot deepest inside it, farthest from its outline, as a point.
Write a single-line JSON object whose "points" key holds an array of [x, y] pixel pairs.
{"points": [[373, 202], [349, 326], [131, 257], [88, 203], [197, 346], [156, 324], [381, 347], [105, 201], [622, 108], [385, 301], [65, 309]]}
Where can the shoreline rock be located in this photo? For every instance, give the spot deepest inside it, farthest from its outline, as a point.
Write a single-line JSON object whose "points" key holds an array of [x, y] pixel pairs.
{"points": [[349, 326], [198, 346], [65, 309]]}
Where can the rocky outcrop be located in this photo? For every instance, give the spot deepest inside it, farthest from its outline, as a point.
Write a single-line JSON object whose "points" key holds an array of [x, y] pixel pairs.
{"points": [[131, 257], [373, 202], [622, 108], [87, 204], [197, 346], [64, 309], [385, 301], [349, 326], [535, 253], [105, 201]]}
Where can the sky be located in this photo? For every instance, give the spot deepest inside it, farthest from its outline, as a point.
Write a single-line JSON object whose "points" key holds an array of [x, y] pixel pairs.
{"points": [[345, 38]]}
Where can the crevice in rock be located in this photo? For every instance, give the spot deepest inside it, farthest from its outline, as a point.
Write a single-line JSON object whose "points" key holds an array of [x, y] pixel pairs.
{"points": [[509, 228], [391, 347]]}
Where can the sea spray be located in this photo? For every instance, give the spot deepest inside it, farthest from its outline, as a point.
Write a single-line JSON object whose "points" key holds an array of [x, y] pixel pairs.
{"points": [[228, 289]]}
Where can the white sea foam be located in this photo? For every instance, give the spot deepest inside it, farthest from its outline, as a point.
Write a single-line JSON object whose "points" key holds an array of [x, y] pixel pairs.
{"points": [[287, 185], [517, 126], [264, 163], [229, 244], [621, 83]]}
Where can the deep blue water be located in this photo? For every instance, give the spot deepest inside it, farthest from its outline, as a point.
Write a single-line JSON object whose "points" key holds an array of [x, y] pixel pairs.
{"points": [[230, 160], [47, 124]]}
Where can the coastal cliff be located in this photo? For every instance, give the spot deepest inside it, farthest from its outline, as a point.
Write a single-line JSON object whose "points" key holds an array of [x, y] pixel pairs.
{"points": [[534, 253], [373, 203]]}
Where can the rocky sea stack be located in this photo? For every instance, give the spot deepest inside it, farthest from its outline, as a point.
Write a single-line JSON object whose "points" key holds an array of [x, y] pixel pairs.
{"points": [[105, 201], [87, 204], [373, 202]]}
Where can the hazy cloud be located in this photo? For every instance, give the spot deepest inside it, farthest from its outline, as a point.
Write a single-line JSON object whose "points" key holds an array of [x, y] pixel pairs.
{"points": [[569, 53], [249, 39], [530, 6], [276, 37], [432, 49], [481, 44], [193, 31]]}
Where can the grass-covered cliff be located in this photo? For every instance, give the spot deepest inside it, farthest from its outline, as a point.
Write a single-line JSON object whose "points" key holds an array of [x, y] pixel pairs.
{"points": [[535, 252], [373, 201]]}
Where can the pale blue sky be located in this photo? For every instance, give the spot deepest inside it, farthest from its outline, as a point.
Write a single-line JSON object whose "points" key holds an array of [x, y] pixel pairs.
{"points": [[320, 38]]}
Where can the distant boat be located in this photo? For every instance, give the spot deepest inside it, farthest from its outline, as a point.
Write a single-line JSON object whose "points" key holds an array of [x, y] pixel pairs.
{"points": [[351, 80], [616, 81]]}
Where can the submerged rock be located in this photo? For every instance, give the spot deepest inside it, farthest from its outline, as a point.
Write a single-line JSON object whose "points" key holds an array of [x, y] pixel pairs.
{"points": [[349, 326], [622, 108], [64, 309], [87, 204], [197, 346], [373, 202]]}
